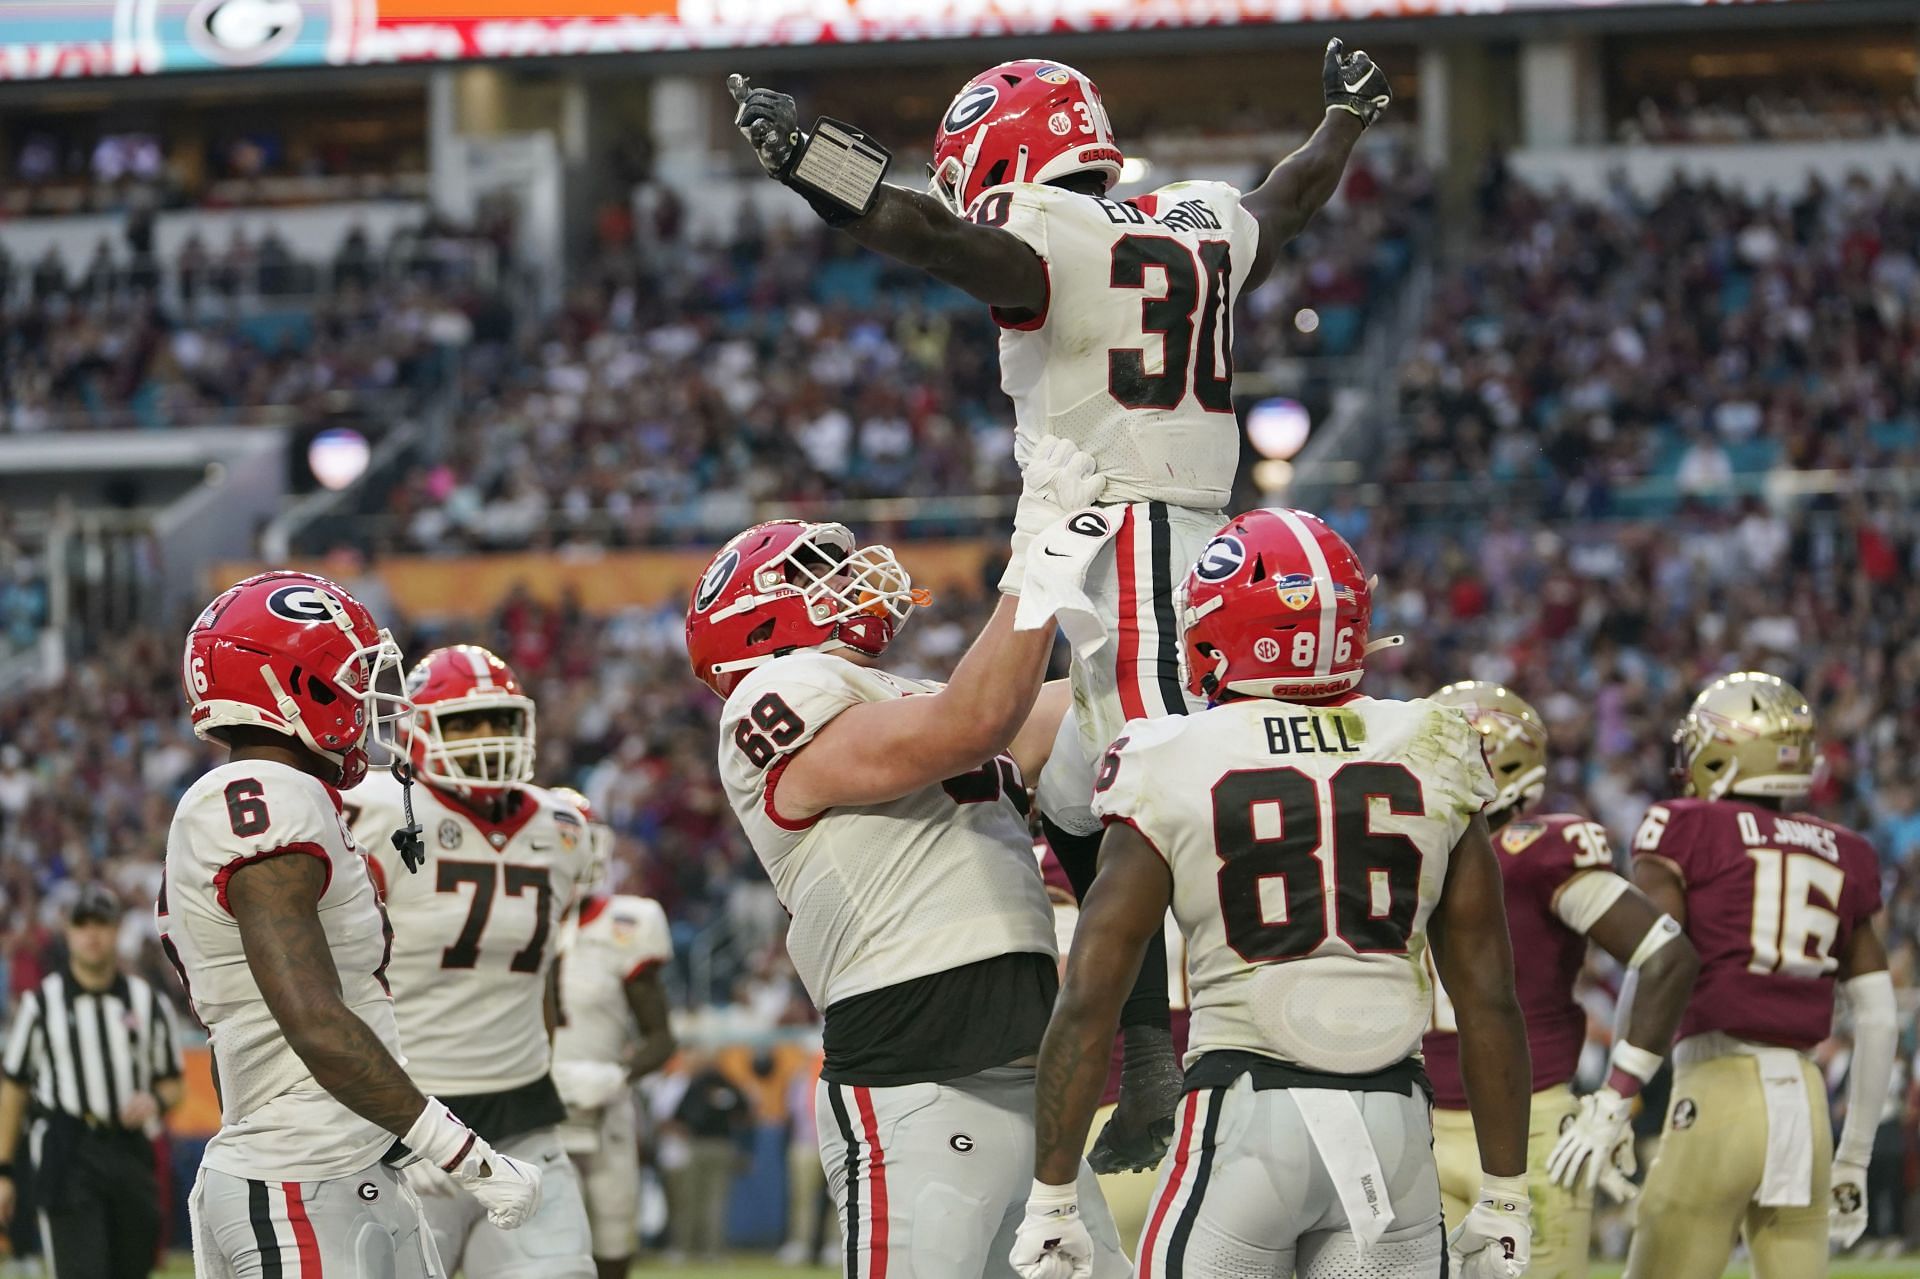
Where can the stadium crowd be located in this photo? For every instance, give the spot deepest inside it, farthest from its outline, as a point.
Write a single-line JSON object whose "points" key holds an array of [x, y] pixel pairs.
{"points": [[1582, 346]]}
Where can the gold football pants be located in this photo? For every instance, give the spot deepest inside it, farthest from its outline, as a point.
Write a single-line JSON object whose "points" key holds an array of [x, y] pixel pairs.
{"points": [[1562, 1219]]}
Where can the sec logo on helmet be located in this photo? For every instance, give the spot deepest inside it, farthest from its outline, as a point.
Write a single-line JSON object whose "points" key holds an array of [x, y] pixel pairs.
{"points": [[1295, 590]]}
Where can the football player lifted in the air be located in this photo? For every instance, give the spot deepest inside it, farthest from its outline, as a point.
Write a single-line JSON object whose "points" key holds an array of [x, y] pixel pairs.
{"points": [[270, 915], [1311, 842], [1561, 892], [1116, 333], [1781, 910], [475, 933], [890, 815], [612, 1030]]}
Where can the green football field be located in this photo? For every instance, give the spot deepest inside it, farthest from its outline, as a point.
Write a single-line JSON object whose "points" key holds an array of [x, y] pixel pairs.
{"points": [[750, 1266]]}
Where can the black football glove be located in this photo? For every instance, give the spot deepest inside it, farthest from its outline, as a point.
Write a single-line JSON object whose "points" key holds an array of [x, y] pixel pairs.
{"points": [[1137, 1137], [836, 168], [1352, 83]]}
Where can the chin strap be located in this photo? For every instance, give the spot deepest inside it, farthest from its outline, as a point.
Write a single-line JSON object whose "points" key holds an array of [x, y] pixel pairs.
{"points": [[1385, 641], [407, 841]]}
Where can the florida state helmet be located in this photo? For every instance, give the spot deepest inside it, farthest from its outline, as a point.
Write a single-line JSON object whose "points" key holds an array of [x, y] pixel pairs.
{"points": [[1748, 734], [1025, 121], [1512, 738], [1276, 606], [791, 586], [297, 655], [467, 680], [599, 836]]}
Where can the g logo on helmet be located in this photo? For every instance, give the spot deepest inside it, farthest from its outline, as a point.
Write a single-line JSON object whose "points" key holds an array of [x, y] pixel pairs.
{"points": [[243, 33], [303, 604], [719, 573], [970, 108], [1222, 558]]}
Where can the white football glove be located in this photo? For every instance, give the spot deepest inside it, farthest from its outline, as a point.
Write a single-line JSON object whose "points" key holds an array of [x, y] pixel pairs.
{"points": [[1616, 1175], [1053, 1243], [508, 1189], [1056, 478], [1586, 1148], [1496, 1239], [1847, 1215]]}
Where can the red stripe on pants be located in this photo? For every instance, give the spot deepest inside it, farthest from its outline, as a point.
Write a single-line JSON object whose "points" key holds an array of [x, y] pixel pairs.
{"points": [[1172, 1191], [876, 1186], [303, 1237], [1126, 661]]}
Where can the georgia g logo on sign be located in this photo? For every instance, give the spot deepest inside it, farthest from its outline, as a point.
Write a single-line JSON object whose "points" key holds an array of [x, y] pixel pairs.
{"points": [[243, 33], [302, 604]]}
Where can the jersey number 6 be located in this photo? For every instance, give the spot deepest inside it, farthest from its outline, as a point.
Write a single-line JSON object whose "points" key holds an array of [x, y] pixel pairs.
{"points": [[1267, 830]]}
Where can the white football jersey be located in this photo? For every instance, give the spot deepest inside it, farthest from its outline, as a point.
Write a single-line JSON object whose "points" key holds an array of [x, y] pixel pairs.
{"points": [[276, 1122], [1132, 356], [884, 893], [605, 945], [1308, 846], [475, 930]]}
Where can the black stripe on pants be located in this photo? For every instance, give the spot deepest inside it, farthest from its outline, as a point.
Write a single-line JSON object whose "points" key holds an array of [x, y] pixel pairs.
{"points": [[264, 1237], [1190, 1213], [1166, 658], [853, 1179]]}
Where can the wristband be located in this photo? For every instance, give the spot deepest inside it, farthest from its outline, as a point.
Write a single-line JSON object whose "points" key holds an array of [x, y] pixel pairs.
{"points": [[1632, 1068], [838, 170], [1508, 1194], [1050, 1200], [438, 1137]]}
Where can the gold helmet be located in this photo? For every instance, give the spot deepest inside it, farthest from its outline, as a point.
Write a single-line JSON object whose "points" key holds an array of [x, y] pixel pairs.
{"points": [[1747, 734], [1512, 737]]}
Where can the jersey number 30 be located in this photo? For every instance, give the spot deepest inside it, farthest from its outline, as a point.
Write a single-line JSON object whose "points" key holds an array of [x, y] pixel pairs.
{"points": [[1268, 832], [1203, 343]]}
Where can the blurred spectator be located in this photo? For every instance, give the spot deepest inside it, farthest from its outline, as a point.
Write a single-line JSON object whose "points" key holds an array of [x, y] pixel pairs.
{"points": [[717, 1120]]}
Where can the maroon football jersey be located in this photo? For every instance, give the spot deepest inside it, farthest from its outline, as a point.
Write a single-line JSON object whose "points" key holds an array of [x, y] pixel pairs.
{"points": [[1538, 856], [1771, 900]]}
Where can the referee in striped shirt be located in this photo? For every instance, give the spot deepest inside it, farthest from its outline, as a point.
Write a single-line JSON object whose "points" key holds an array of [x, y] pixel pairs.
{"points": [[91, 1062]]}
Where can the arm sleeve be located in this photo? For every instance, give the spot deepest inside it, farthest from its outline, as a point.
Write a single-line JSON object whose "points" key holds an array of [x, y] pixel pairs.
{"points": [[26, 1020], [1875, 1034]]}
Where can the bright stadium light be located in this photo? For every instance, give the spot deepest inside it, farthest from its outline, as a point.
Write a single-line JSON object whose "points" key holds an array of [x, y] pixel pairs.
{"points": [[1134, 170], [338, 457], [1272, 476], [1278, 427]]}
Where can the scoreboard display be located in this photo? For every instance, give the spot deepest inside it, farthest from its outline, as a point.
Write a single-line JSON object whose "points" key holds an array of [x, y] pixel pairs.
{"points": [[48, 39]]}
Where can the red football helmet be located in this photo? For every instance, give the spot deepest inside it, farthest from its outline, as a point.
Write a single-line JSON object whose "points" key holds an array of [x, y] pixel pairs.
{"points": [[1026, 121], [466, 679], [1277, 606], [296, 654], [789, 586]]}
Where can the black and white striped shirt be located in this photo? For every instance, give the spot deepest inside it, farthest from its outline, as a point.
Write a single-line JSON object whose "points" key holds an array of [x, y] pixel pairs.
{"points": [[85, 1054]]}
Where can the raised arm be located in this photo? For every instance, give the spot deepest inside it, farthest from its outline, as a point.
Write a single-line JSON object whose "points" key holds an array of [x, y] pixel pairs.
{"points": [[877, 751], [1356, 92], [989, 264]]}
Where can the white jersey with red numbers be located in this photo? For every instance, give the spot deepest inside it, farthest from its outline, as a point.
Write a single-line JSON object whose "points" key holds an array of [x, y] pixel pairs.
{"points": [[883, 893], [475, 929], [1131, 357], [605, 945], [1308, 846], [276, 1122]]}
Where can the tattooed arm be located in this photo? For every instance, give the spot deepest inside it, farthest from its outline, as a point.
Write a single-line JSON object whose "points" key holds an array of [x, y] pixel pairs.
{"points": [[1122, 912], [274, 903]]}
